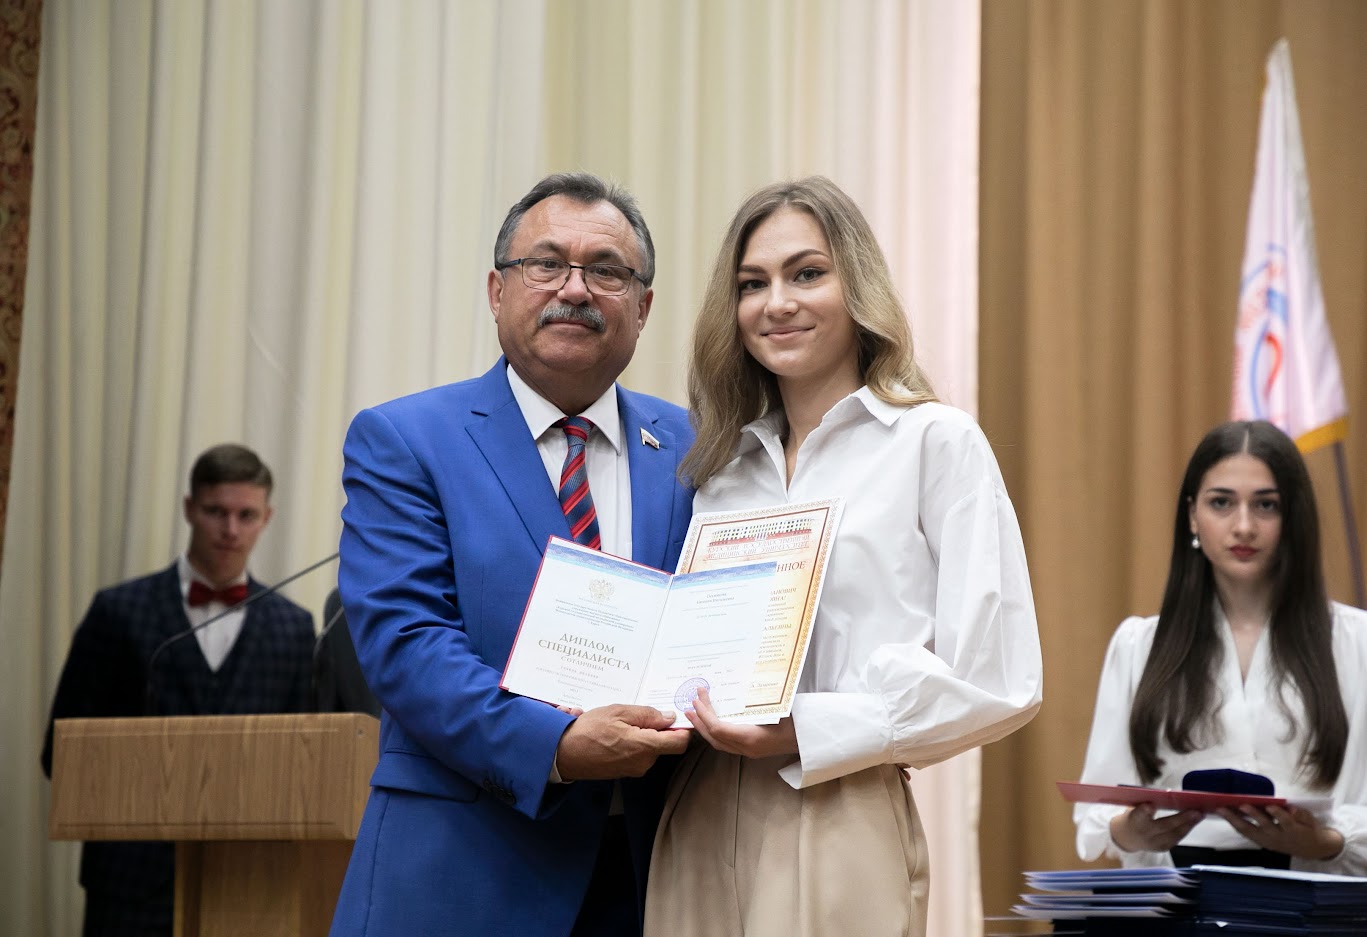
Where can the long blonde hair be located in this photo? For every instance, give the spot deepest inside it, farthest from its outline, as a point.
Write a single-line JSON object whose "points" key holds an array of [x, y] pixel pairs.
{"points": [[728, 388]]}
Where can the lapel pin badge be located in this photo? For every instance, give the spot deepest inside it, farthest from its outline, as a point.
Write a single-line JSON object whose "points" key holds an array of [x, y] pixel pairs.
{"points": [[649, 440]]}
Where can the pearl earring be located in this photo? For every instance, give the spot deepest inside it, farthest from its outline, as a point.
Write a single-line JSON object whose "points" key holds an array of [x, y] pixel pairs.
{"points": [[1195, 542]]}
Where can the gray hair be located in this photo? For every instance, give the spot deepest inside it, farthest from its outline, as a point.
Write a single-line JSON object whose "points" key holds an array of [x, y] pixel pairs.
{"points": [[586, 189]]}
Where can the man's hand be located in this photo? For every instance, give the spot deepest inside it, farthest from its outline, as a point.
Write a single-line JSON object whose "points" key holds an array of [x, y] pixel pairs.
{"points": [[1293, 830], [1138, 830], [617, 742], [736, 739]]}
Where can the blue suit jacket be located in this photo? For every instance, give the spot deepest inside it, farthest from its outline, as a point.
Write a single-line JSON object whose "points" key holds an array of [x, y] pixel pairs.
{"points": [[105, 675], [448, 511]]}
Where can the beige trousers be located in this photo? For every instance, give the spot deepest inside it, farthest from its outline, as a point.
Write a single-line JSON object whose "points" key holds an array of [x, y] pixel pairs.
{"points": [[740, 853]]}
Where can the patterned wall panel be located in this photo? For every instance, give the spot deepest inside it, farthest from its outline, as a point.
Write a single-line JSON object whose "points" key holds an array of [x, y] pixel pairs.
{"points": [[20, 22]]}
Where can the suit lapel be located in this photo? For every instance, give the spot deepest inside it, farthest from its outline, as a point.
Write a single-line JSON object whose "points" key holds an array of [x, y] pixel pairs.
{"points": [[183, 673], [256, 674], [653, 480], [503, 439], [239, 664], [168, 605]]}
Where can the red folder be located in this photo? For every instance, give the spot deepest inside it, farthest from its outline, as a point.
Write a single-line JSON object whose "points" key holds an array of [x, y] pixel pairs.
{"points": [[1167, 799]]}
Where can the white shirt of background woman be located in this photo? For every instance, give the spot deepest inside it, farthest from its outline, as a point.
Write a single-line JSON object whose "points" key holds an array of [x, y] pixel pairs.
{"points": [[1254, 736]]}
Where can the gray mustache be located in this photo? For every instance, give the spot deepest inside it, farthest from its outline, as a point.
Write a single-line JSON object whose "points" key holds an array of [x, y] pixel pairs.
{"points": [[579, 315]]}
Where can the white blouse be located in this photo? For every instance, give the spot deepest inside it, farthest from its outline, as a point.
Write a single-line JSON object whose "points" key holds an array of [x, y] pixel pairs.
{"points": [[925, 643], [1254, 736]]}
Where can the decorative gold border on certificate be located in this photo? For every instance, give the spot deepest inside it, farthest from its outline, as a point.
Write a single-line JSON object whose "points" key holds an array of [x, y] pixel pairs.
{"points": [[829, 511]]}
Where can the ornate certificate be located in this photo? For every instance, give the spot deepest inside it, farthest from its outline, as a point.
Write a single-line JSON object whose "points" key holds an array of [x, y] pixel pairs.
{"points": [[798, 538]]}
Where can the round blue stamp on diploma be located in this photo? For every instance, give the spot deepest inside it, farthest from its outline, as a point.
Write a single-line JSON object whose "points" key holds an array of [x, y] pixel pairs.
{"points": [[688, 692]]}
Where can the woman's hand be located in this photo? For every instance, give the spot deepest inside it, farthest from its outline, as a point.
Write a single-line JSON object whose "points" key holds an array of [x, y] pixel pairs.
{"points": [[1138, 830], [1292, 830], [750, 741]]}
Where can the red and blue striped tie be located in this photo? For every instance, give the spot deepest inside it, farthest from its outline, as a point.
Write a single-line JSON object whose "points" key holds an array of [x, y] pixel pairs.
{"points": [[575, 499]]}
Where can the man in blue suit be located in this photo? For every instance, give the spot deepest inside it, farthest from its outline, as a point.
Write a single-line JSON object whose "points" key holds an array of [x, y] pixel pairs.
{"points": [[254, 660], [492, 814]]}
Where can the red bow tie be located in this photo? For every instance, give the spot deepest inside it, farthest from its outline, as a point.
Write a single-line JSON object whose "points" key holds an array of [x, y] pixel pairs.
{"points": [[200, 594]]}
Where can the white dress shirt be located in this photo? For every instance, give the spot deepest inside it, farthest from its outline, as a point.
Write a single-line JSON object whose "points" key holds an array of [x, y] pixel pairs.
{"points": [[1254, 736], [605, 457], [216, 641], [605, 460], [925, 643]]}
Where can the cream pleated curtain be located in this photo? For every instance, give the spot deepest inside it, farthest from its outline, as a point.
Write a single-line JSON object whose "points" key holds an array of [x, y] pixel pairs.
{"points": [[251, 219]]}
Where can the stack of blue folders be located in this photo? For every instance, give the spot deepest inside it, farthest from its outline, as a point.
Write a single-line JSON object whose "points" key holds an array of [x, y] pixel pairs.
{"points": [[1268, 901], [1113, 902], [1202, 900]]}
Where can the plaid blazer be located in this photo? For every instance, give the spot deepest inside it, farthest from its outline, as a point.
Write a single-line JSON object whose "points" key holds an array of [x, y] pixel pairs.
{"points": [[106, 675]]}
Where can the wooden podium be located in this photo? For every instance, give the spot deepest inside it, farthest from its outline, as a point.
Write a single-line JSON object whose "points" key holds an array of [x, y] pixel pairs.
{"points": [[263, 809]]}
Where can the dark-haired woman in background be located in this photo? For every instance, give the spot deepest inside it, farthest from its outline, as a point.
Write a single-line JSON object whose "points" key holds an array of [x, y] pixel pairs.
{"points": [[1248, 666]]}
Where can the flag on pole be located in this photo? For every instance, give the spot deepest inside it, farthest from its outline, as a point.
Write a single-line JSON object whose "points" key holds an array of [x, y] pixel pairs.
{"points": [[1285, 367]]}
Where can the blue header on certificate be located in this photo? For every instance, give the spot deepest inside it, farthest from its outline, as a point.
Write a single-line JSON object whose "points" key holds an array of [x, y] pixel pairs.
{"points": [[566, 551], [712, 577]]}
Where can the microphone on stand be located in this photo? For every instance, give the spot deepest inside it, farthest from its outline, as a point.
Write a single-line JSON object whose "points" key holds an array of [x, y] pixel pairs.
{"points": [[338, 683], [323, 699], [327, 627], [149, 696]]}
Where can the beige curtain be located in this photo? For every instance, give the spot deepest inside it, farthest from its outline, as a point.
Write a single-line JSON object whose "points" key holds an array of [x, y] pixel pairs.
{"points": [[1118, 141], [253, 218]]}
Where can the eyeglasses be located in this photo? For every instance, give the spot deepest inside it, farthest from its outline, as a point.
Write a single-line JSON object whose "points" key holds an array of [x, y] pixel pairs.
{"points": [[547, 273]]}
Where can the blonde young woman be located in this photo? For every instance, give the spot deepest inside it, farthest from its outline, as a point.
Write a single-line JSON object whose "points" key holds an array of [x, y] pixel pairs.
{"points": [[803, 386]]}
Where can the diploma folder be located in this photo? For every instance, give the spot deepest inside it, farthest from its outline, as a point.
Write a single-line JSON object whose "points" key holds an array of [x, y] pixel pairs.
{"points": [[1168, 799], [599, 630]]}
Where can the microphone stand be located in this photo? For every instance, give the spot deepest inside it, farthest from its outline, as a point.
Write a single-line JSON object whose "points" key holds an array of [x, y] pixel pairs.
{"points": [[316, 668]]}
